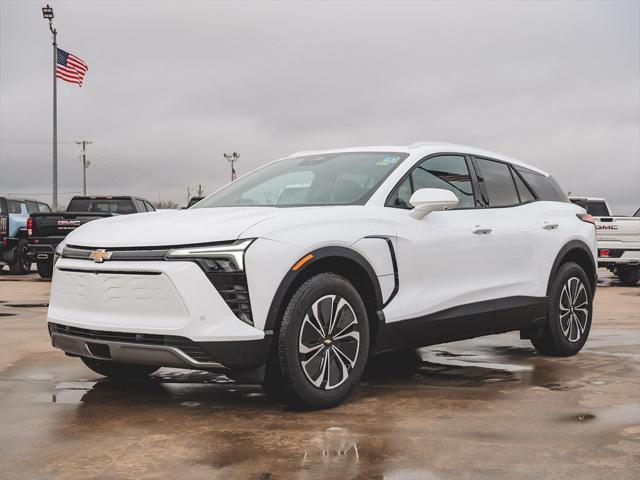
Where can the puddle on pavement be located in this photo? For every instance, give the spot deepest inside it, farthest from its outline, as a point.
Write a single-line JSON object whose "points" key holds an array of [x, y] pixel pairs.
{"points": [[70, 392]]}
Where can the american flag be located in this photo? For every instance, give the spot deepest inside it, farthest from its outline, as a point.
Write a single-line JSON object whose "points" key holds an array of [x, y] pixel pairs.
{"points": [[70, 68]]}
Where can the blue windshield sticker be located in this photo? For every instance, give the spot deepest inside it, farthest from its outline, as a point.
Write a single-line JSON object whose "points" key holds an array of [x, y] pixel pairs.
{"points": [[388, 161]]}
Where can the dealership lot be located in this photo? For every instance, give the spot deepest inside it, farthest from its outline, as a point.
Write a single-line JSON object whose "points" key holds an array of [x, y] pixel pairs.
{"points": [[484, 408]]}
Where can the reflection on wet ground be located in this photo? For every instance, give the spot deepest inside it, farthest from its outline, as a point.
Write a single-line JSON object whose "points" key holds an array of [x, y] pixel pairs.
{"points": [[486, 408]]}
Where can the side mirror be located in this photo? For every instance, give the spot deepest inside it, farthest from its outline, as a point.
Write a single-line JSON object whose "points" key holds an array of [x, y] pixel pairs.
{"points": [[427, 200]]}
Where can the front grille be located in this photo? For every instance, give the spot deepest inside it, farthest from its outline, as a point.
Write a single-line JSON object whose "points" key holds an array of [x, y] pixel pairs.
{"points": [[188, 347], [232, 287]]}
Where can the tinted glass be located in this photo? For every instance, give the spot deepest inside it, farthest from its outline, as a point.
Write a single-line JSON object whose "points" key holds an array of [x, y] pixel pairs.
{"points": [[141, 206], [32, 207], [401, 195], [498, 183], [120, 206], [149, 207], [447, 172], [637, 214], [546, 188], [523, 190], [347, 178], [14, 206], [43, 207], [595, 208]]}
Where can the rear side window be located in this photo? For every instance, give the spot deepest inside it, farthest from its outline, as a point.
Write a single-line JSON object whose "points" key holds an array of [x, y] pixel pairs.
{"points": [[32, 207], [141, 206], [14, 206], [498, 182], [523, 191], [545, 188], [149, 207], [43, 207]]}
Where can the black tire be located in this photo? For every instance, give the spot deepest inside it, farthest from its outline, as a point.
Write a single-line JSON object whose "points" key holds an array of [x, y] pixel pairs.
{"points": [[21, 264], [335, 360], [45, 268], [629, 276], [565, 336], [122, 372]]}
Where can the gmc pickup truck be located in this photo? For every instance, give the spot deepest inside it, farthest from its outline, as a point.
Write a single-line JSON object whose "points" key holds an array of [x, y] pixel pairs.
{"points": [[14, 213], [618, 239], [47, 230]]}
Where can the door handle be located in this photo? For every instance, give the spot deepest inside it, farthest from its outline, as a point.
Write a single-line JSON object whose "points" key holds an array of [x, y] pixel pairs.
{"points": [[480, 230], [550, 225]]}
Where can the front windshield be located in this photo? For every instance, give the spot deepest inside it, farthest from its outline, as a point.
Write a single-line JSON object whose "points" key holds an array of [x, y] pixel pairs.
{"points": [[328, 179]]}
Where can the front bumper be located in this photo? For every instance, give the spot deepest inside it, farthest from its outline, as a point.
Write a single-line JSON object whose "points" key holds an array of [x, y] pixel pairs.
{"points": [[159, 350], [164, 313]]}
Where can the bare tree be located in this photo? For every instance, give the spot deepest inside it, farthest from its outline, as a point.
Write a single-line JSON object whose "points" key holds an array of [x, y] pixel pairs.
{"points": [[165, 204]]}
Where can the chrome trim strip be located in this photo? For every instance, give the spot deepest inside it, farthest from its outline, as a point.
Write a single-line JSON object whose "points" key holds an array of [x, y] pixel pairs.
{"points": [[160, 355]]}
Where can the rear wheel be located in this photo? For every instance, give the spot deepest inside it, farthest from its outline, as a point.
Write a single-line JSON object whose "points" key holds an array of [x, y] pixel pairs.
{"points": [[569, 315], [123, 372], [21, 263], [322, 345], [628, 276], [45, 268]]}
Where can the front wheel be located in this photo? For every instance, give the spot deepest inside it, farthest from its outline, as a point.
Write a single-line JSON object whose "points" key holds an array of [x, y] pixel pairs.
{"points": [[628, 276], [569, 315], [21, 264], [45, 268], [323, 343], [122, 372]]}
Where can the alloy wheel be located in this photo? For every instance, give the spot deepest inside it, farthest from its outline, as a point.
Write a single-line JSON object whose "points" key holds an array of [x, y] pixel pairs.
{"points": [[574, 309], [329, 342]]}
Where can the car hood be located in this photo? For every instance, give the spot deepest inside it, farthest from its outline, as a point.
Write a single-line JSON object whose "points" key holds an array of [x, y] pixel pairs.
{"points": [[171, 227]]}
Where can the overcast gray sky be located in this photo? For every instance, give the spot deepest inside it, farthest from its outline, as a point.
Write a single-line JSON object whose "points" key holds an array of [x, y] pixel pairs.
{"points": [[173, 85]]}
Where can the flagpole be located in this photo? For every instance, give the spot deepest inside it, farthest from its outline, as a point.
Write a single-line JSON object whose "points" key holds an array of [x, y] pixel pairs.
{"points": [[55, 121], [47, 13]]}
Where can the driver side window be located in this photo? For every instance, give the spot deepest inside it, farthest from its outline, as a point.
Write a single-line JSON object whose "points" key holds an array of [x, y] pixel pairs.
{"points": [[448, 172]]}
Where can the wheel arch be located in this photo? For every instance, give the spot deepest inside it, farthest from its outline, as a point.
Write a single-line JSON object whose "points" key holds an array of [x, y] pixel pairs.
{"points": [[578, 252], [342, 261]]}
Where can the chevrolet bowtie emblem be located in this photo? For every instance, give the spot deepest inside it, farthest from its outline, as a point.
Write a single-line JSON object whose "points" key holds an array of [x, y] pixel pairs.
{"points": [[100, 255]]}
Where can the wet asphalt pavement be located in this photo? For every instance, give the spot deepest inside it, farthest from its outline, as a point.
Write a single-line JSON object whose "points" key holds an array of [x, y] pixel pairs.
{"points": [[489, 408]]}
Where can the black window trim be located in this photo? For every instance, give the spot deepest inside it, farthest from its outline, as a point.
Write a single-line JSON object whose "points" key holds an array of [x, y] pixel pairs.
{"points": [[512, 168], [472, 175]]}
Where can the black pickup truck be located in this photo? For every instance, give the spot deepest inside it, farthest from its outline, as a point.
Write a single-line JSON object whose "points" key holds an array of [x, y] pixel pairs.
{"points": [[47, 230]]}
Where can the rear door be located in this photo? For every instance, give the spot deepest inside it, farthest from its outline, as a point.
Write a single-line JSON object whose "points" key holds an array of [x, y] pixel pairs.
{"points": [[518, 242]]}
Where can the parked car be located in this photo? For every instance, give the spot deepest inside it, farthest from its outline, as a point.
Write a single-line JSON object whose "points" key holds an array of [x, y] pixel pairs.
{"points": [[47, 230], [618, 239], [14, 213], [389, 248], [193, 201]]}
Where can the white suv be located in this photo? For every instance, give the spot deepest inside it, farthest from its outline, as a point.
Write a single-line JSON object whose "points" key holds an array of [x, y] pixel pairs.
{"points": [[294, 274]]}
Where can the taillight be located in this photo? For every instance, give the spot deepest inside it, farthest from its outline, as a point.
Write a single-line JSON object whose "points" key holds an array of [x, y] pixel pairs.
{"points": [[603, 252], [30, 227], [585, 217]]}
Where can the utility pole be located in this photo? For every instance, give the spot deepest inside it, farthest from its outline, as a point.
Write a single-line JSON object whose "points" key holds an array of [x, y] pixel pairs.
{"points": [[47, 13], [85, 164], [199, 190], [232, 158]]}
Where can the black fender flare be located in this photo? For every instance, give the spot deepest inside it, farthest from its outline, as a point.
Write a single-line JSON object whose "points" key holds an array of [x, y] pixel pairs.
{"points": [[572, 245], [320, 254]]}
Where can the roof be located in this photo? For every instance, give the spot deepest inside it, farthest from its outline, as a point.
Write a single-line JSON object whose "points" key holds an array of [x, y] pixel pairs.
{"points": [[426, 148]]}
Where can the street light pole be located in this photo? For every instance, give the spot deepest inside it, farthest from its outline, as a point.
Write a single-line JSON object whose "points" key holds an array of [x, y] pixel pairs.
{"points": [[47, 13], [85, 164], [232, 158]]}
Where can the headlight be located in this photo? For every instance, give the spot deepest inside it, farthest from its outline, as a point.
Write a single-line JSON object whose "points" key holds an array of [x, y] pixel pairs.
{"points": [[228, 257], [57, 253], [223, 265]]}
